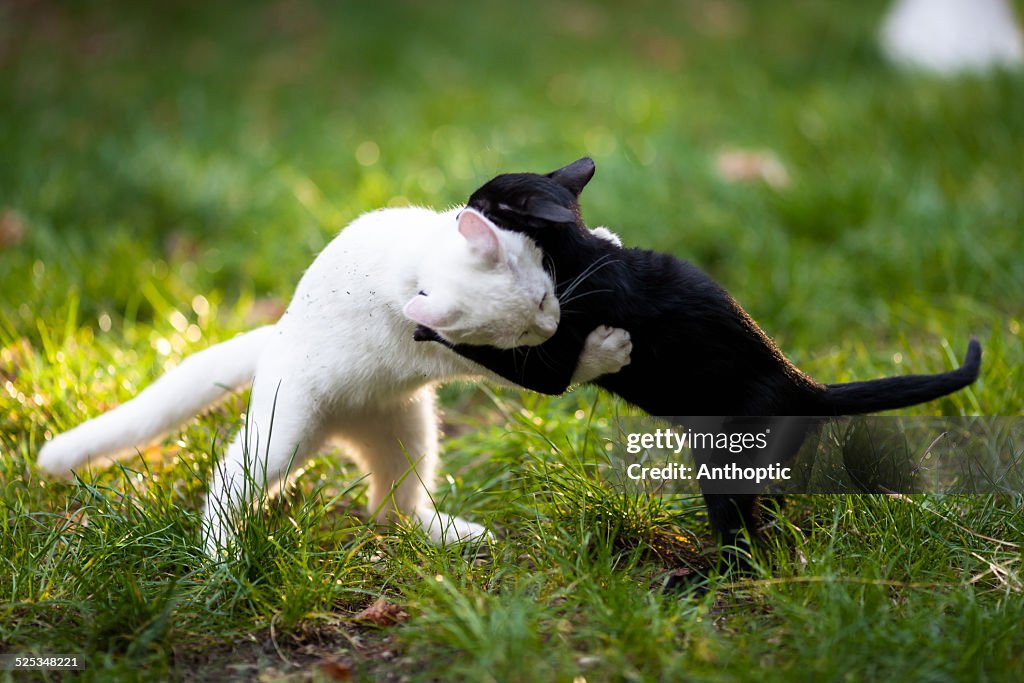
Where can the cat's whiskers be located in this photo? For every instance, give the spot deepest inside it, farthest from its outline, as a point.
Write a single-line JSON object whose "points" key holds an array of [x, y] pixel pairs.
{"points": [[587, 272], [549, 266], [520, 363], [519, 360], [566, 302], [542, 354], [605, 260], [514, 351]]}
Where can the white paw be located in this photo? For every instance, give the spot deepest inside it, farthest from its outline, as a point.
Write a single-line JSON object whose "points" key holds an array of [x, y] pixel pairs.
{"points": [[605, 351], [614, 342], [447, 530]]}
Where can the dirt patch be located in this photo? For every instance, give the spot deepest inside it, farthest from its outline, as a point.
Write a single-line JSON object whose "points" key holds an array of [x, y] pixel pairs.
{"points": [[314, 652]]}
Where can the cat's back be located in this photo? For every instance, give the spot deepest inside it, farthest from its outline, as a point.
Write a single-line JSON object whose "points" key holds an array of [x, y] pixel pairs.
{"points": [[385, 226], [668, 281], [344, 330], [371, 251]]}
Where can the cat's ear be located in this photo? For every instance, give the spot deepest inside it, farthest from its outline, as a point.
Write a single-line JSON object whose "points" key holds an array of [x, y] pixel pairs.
{"points": [[575, 176], [480, 235], [547, 210], [422, 311]]}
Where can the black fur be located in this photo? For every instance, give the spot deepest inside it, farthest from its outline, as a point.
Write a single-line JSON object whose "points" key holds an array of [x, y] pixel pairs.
{"points": [[696, 352]]}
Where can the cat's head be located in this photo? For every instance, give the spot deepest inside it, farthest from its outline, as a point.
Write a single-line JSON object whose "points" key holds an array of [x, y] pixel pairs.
{"points": [[533, 203], [489, 289]]}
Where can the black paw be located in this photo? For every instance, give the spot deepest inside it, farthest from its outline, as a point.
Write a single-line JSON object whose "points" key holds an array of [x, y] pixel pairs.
{"points": [[424, 333]]}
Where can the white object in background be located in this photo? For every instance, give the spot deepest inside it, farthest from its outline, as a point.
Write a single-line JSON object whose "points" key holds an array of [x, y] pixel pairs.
{"points": [[950, 36]]}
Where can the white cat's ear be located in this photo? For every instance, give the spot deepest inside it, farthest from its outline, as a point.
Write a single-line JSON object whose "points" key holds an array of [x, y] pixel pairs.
{"points": [[422, 311], [480, 234]]}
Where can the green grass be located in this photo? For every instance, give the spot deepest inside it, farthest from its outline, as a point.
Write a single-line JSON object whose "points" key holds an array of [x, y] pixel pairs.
{"points": [[167, 172]]}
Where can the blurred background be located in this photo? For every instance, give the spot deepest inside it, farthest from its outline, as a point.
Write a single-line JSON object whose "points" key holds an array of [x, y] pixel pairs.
{"points": [[191, 158], [169, 169]]}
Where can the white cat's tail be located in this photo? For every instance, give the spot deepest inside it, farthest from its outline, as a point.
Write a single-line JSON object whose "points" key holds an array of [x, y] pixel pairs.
{"points": [[200, 381]]}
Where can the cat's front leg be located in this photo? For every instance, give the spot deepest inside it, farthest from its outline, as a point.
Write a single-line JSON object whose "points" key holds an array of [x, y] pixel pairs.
{"points": [[605, 351], [546, 368]]}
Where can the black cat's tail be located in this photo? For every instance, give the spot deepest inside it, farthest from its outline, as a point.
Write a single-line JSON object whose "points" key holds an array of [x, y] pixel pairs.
{"points": [[889, 393]]}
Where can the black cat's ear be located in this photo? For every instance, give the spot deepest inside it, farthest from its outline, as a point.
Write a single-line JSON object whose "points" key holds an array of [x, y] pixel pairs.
{"points": [[575, 176], [547, 210]]}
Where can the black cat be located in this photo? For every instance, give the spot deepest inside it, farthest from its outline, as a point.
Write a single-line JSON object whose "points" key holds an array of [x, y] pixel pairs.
{"points": [[696, 352]]}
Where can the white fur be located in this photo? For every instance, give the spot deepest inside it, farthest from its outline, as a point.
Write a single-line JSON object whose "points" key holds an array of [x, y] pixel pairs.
{"points": [[950, 36], [607, 235], [341, 365]]}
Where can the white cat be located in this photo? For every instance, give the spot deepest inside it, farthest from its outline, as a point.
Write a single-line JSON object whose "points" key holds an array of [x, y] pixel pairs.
{"points": [[341, 365]]}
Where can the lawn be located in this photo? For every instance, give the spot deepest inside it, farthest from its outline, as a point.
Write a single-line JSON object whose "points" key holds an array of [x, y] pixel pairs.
{"points": [[167, 171]]}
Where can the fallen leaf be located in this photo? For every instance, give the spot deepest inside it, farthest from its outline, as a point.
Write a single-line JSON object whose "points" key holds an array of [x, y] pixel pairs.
{"points": [[381, 613], [12, 228], [679, 578], [747, 166], [76, 518], [336, 669]]}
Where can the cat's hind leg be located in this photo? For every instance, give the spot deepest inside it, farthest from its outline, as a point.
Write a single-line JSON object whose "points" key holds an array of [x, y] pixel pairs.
{"points": [[735, 509], [397, 447], [282, 429]]}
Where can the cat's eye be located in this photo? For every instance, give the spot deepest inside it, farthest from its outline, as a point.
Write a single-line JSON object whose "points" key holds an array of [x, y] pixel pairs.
{"points": [[422, 293], [544, 298]]}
